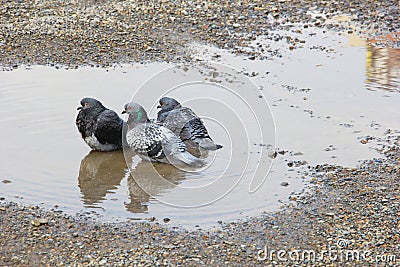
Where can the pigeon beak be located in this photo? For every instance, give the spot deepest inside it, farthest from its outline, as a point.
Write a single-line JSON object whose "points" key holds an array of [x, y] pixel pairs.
{"points": [[123, 112], [159, 106], [78, 108]]}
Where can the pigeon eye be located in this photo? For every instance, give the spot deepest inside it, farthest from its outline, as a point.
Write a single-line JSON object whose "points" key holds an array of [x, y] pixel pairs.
{"points": [[86, 104]]}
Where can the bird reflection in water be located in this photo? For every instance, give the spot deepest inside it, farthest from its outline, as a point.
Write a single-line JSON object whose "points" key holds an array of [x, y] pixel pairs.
{"points": [[101, 173], [149, 179]]}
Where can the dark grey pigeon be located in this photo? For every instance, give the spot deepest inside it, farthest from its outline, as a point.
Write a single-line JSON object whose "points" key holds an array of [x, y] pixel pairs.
{"points": [[154, 142], [100, 127], [184, 123]]}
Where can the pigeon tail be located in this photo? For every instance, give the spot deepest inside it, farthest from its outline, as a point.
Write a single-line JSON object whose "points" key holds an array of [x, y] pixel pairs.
{"points": [[219, 146], [207, 143], [189, 159]]}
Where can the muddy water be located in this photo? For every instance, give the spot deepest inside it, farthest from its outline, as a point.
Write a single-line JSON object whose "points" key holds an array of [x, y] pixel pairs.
{"points": [[323, 105]]}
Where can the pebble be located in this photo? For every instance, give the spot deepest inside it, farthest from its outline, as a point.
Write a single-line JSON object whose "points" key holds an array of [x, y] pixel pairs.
{"points": [[284, 184], [39, 222]]}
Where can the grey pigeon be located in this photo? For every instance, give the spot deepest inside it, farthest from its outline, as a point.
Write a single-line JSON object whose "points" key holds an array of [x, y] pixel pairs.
{"points": [[154, 142], [184, 123], [100, 127]]}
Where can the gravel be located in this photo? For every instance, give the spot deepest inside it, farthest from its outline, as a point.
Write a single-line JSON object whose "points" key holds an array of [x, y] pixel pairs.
{"points": [[104, 32], [355, 209]]}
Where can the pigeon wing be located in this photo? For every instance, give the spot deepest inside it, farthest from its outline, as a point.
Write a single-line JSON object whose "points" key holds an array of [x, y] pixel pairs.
{"points": [[178, 118], [108, 128], [172, 144], [197, 129], [146, 139]]}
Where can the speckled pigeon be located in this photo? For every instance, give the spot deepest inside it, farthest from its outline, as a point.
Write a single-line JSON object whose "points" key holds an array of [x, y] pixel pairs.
{"points": [[100, 127], [184, 123], [154, 142]]}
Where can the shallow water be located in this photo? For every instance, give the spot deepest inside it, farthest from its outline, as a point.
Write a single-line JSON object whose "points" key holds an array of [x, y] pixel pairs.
{"points": [[323, 104]]}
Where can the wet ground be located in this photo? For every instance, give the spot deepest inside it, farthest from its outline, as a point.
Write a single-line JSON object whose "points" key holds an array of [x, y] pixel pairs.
{"points": [[333, 96], [108, 32]]}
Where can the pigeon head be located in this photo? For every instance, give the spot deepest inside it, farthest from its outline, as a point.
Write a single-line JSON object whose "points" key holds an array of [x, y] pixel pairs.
{"points": [[88, 102], [168, 103], [136, 113]]}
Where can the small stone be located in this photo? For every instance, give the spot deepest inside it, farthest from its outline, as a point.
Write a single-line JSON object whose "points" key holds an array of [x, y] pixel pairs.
{"points": [[272, 154], [228, 242], [284, 184], [39, 222], [43, 221], [166, 220], [35, 223]]}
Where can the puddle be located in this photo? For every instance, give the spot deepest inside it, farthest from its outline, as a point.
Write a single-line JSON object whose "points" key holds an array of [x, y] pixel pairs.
{"points": [[324, 101]]}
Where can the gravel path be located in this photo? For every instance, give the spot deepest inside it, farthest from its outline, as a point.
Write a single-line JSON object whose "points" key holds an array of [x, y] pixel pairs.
{"points": [[354, 210], [102, 33]]}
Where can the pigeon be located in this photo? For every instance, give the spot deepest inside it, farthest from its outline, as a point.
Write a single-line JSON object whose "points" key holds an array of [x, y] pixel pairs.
{"points": [[100, 127], [184, 123], [155, 142]]}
